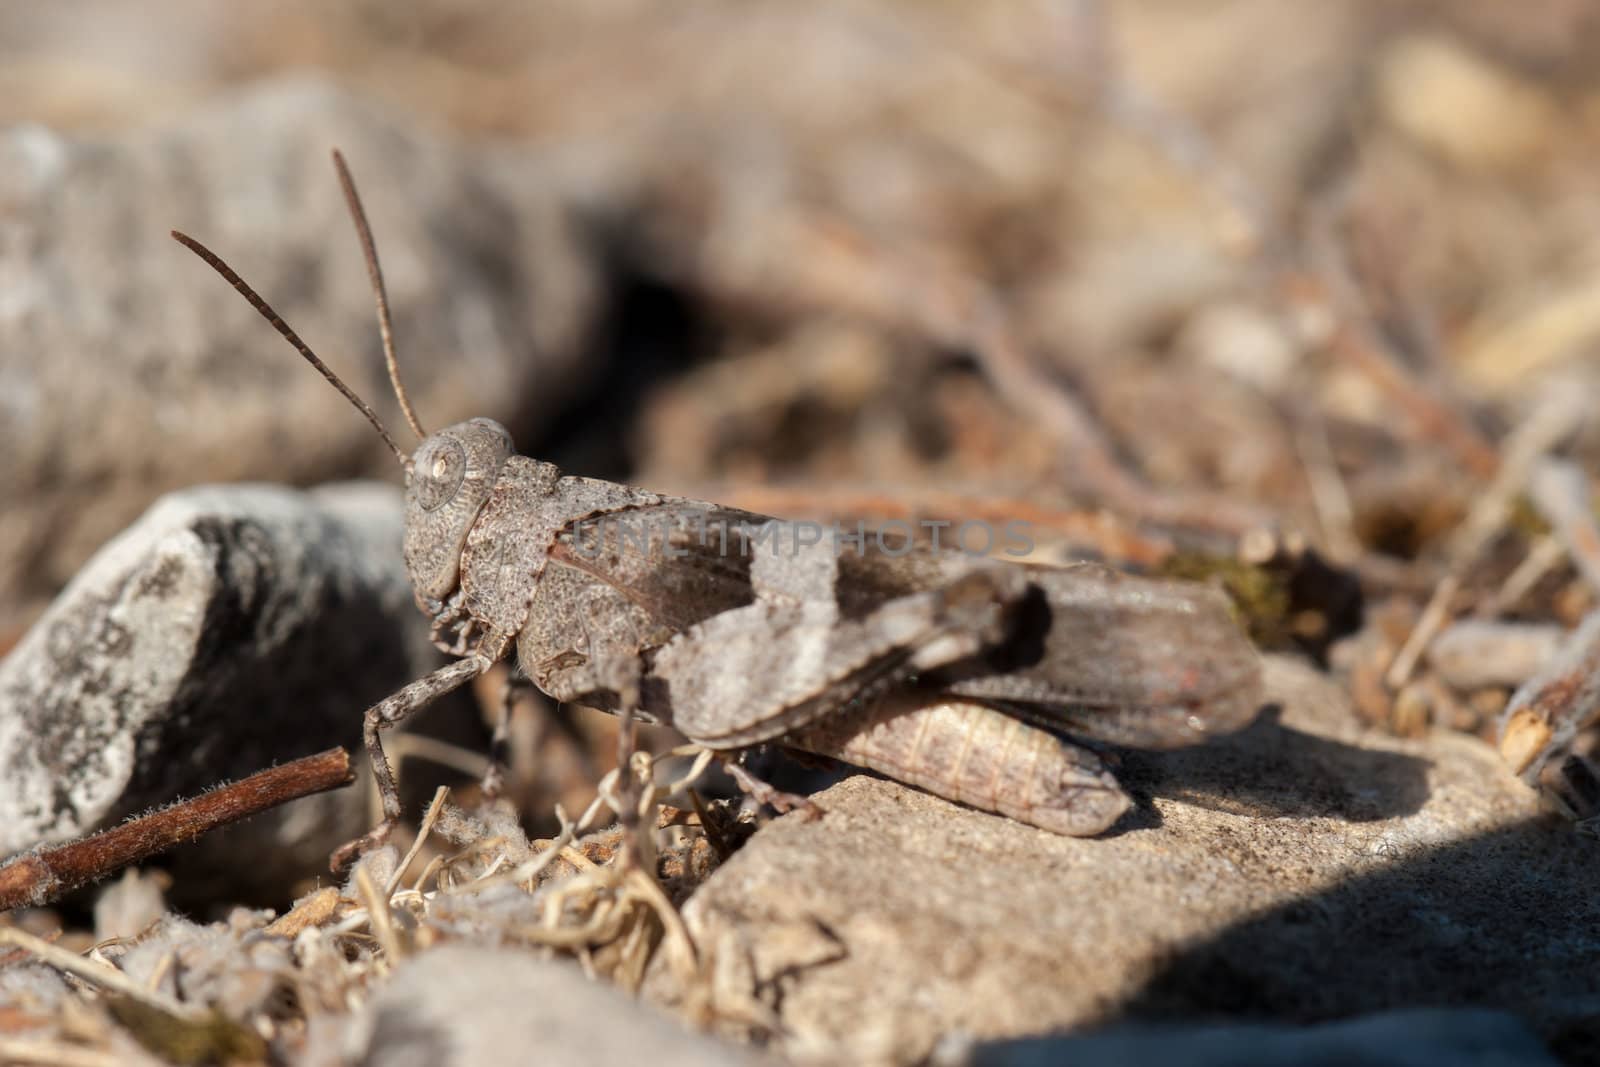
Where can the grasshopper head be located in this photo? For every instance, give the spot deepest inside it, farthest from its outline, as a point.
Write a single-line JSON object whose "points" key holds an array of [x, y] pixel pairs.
{"points": [[450, 478], [451, 474]]}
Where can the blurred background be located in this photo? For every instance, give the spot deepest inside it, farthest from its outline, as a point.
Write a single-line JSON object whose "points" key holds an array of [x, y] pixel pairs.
{"points": [[1155, 276], [1077, 252]]}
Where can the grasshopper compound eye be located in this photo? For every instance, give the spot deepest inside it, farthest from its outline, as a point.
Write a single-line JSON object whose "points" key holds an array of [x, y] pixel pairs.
{"points": [[439, 467], [451, 477]]}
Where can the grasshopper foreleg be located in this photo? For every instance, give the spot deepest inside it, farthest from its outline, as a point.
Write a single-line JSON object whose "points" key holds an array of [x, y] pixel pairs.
{"points": [[389, 712]]}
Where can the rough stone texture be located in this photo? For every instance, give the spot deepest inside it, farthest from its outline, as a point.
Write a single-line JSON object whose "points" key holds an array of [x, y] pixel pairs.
{"points": [[127, 368], [1301, 871], [228, 629], [460, 1005]]}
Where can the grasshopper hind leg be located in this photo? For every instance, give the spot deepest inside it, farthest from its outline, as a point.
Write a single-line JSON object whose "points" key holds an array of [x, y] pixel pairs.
{"points": [[764, 792], [976, 755]]}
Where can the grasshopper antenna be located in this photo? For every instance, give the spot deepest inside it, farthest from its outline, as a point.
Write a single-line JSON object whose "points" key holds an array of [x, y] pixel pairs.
{"points": [[233, 279], [370, 250]]}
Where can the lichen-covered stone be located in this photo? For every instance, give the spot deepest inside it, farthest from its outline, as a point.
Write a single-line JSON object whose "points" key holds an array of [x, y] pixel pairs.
{"points": [[228, 629]]}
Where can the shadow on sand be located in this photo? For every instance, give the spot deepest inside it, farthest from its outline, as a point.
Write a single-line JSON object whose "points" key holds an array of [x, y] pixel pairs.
{"points": [[1507, 920]]}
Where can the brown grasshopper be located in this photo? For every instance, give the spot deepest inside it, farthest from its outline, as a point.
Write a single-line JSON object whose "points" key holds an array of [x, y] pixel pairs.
{"points": [[951, 671]]}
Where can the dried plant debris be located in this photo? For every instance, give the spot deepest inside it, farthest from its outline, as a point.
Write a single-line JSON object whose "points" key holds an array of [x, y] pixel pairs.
{"points": [[258, 986], [1550, 732]]}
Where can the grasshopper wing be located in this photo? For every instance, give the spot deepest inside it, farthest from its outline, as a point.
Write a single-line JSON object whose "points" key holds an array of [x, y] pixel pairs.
{"points": [[1133, 661]]}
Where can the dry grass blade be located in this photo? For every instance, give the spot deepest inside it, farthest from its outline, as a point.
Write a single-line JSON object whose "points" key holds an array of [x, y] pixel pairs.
{"points": [[429, 818], [377, 905], [1428, 626], [20, 1051], [1553, 419], [102, 975], [1544, 557]]}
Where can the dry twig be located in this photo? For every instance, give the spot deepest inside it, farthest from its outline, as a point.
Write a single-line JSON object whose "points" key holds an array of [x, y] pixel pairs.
{"points": [[1521, 451], [37, 878], [1560, 490], [1323, 288], [1545, 556]]}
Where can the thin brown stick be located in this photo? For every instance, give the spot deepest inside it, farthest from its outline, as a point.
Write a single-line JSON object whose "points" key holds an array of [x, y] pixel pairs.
{"points": [[1356, 343], [839, 266], [38, 878], [1322, 284], [1433, 619], [1560, 490], [1520, 453], [1329, 495], [1088, 453], [1317, 278], [1545, 556]]}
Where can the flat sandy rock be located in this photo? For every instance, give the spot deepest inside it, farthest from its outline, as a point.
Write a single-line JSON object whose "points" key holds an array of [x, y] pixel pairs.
{"points": [[1303, 870]]}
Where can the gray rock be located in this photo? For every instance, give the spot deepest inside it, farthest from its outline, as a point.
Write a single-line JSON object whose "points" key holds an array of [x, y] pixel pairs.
{"points": [[228, 629], [462, 1005], [1300, 871], [127, 368]]}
